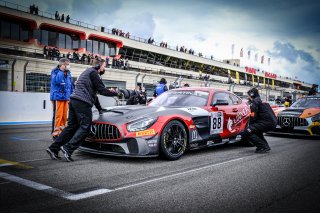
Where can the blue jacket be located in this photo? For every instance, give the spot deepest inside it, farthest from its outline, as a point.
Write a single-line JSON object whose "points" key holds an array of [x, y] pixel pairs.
{"points": [[161, 88], [61, 85]]}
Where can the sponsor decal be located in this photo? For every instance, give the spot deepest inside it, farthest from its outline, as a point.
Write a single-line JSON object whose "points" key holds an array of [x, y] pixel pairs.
{"points": [[229, 126], [193, 145], [225, 140], [196, 111], [216, 126], [145, 133], [194, 135], [209, 143]]}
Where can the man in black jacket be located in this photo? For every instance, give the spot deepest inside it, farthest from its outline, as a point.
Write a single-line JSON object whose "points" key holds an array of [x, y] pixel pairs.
{"points": [[84, 97], [262, 120]]}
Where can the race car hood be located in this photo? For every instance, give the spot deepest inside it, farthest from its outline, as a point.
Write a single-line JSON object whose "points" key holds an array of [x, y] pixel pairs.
{"points": [[297, 112], [126, 114]]}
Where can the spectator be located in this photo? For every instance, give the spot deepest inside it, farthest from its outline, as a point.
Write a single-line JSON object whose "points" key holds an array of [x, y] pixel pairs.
{"points": [[50, 53], [68, 19], [45, 51], [161, 88], [32, 7], [126, 64], [36, 10], [313, 90], [60, 90], [56, 15], [62, 18]]}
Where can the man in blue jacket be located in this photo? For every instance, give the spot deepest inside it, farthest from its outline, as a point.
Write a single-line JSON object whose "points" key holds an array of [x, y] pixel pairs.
{"points": [[60, 90], [161, 88], [84, 97]]}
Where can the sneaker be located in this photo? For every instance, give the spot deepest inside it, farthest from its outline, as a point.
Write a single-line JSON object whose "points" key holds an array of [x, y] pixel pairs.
{"points": [[66, 155], [262, 150], [53, 155]]}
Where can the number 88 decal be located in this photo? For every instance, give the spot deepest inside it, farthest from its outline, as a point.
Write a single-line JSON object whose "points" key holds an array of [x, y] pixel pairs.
{"points": [[216, 122]]}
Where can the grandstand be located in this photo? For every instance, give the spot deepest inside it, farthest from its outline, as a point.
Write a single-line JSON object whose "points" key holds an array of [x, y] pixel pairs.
{"points": [[24, 67]]}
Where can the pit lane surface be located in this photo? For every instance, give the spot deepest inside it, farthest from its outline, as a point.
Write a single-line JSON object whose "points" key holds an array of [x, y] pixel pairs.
{"points": [[229, 178]]}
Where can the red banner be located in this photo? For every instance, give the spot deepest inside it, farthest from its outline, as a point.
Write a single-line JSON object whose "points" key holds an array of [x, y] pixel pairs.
{"points": [[251, 70], [270, 75]]}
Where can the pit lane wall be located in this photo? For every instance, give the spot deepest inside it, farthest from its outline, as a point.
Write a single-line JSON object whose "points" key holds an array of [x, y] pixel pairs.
{"points": [[32, 108], [23, 107]]}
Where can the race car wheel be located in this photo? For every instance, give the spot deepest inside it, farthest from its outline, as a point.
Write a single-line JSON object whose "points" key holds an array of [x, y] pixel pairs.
{"points": [[173, 140]]}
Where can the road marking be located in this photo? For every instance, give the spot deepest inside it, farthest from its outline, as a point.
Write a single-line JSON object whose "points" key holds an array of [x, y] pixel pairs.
{"points": [[4, 163], [177, 174], [74, 197], [51, 190]]}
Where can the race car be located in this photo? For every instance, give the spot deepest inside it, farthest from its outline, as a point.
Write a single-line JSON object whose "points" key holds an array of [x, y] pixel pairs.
{"points": [[301, 118], [176, 121]]}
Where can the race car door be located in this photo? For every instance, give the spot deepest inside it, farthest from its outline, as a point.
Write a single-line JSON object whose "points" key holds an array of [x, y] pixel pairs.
{"points": [[222, 113]]}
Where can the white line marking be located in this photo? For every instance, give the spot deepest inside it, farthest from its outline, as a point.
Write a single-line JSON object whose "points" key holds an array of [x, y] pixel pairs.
{"points": [[6, 164], [51, 190], [177, 174]]}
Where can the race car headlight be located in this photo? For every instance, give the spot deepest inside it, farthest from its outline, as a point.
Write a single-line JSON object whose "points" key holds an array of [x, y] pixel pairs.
{"points": [[142, 124], [316, 118]]}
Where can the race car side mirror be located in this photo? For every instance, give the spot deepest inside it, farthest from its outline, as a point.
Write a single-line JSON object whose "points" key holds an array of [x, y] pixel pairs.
{"points": [[220, 103]]}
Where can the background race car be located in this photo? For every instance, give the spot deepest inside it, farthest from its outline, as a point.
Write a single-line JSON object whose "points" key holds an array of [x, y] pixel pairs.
{"points": [[302, 118], [177, 120]]}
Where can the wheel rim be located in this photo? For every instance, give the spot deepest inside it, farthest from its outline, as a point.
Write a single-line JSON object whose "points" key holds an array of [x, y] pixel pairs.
{"points": [[175, 140]]}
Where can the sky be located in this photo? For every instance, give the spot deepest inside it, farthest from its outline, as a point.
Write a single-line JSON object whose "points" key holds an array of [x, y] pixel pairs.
{"points": [[286, 31]]}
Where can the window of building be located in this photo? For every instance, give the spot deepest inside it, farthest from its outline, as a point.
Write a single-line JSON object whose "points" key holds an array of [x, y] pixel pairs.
{"points": [[106, 49], [24, 35], [68, 42], [83, 44], [44, 37], [62, 41], [101, 48], [75, 44], [95, 47], [89, 45], [15, 32], [5, 29], [52, 38]]}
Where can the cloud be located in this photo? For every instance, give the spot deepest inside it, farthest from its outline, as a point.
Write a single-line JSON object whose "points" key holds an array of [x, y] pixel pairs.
{"points": [[200, 37], [290, 60], [290, 53]]}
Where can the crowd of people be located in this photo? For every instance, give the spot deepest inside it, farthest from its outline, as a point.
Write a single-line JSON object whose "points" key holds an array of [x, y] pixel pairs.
{"points": [[118, 32], [57, 17], [34, 9]]}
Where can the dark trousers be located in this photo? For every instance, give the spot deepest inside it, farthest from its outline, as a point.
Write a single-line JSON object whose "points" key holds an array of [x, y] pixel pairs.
{"points": [[79, 123], [258, 140]]}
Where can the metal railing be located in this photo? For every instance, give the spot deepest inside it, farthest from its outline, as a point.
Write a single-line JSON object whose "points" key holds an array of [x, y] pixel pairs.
{"points": [[94, 27]]}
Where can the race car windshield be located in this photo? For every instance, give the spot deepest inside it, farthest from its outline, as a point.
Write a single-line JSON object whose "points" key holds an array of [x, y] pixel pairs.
{"points": [[181, 98], [306, 103]]}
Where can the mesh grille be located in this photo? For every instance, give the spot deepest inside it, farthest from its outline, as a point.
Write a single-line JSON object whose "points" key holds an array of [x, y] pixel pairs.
{"points": [[285, 121], [101, 131]]}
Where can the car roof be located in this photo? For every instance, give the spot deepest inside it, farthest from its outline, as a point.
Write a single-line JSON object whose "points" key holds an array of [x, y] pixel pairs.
{"points": [[206, 89]]}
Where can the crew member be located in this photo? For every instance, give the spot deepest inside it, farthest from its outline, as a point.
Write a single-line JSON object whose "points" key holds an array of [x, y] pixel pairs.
{"points": [[263, 120], [84, 97], [61, 87], [161, 88], [313, 90]]}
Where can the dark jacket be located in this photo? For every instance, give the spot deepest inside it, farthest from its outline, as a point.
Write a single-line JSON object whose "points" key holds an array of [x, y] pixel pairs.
{"points": [[88, 85], [264, 119]]}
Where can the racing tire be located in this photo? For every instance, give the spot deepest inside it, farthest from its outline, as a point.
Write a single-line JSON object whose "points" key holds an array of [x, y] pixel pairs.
{"points": [[126, 93], [173, 140]]}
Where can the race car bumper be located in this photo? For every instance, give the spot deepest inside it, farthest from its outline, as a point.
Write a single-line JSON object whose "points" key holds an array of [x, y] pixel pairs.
{"points": [[312, 130], [130, 147]]}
